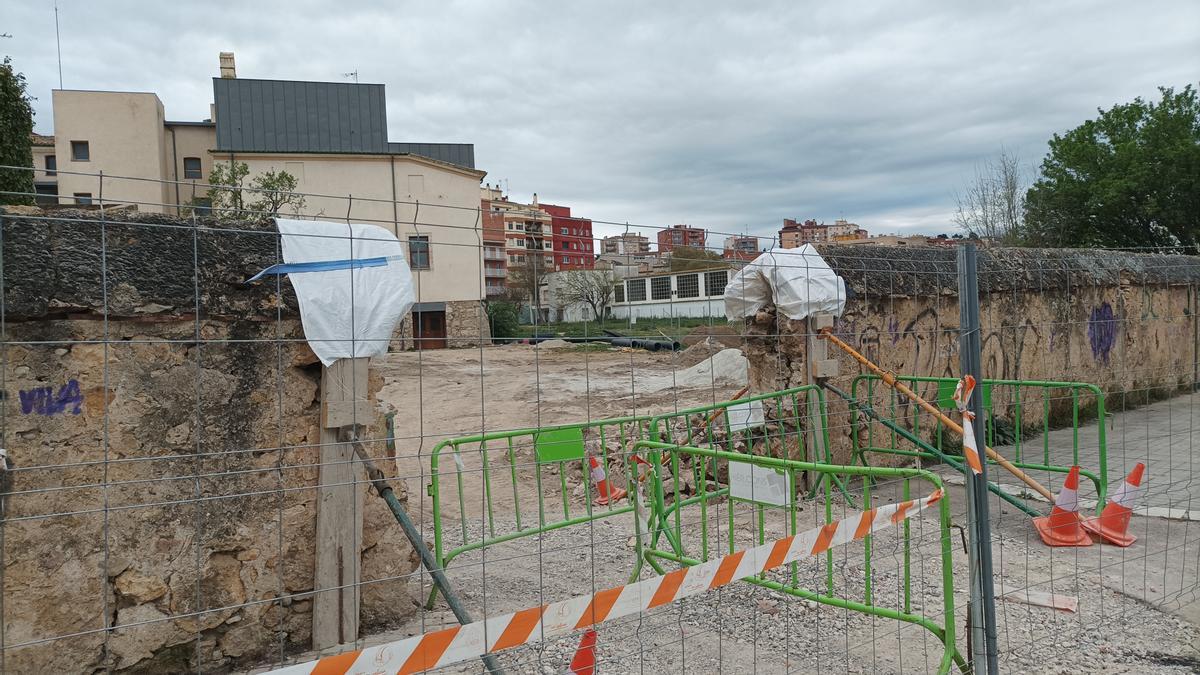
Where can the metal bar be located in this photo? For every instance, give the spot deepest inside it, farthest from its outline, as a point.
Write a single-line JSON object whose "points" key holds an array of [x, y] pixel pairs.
{"points": [[384, 490], [985, 654]]}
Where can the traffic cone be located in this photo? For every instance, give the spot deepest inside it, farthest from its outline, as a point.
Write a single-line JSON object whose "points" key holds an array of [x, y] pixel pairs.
{"points": [[606, 492], [1062, 526], [1112, 525], [584, 662]]}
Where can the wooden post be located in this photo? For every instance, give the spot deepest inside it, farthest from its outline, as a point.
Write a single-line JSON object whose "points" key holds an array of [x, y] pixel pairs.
{"points": [[344, 404], [818, 366]]}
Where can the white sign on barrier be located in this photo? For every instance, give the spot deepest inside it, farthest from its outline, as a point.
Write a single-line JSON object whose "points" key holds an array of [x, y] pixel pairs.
{"points": [[745, 415], [759, 484]]}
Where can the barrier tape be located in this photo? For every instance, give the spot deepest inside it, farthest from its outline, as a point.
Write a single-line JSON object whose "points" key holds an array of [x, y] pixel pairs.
{"points": [[962, 395], [460, 643]]}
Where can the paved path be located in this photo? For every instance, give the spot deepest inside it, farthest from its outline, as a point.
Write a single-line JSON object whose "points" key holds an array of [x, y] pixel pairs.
{"points": [[1164, 435]]}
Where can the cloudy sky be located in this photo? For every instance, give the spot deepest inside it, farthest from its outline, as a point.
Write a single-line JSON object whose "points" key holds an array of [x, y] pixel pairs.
{"points": [[730, 116]]}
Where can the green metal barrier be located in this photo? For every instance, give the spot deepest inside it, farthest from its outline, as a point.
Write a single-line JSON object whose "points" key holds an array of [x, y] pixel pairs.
{"points": [[1023, 404], [667, 526], [503, 461]]}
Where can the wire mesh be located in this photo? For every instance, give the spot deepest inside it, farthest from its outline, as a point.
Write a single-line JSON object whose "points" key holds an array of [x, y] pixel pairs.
{"points": [[168, 462]]}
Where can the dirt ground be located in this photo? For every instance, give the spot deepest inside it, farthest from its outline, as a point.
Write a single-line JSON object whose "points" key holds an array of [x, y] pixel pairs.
{"points": [[1137, 606]]}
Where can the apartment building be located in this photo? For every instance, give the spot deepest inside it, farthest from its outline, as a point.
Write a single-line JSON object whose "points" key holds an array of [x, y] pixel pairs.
{"points": [[795, 234], [495, 260], [572, 239], [678, 236], [332, 137], [625, 244], [740, 248]]}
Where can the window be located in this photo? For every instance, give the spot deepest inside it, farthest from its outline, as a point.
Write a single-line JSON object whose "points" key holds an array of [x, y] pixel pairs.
{"points": [[418, 252], [637, 290], [47, 194], [51, 165], [80, 151], [191, 168], [715, 282], [619, 292], [83, 198], [660, 288], [202, 206], [687, 286], [564, 230]]}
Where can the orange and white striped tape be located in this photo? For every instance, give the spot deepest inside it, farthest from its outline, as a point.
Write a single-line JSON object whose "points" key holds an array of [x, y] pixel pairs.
{"points": [[962, 395], [460, 643]]}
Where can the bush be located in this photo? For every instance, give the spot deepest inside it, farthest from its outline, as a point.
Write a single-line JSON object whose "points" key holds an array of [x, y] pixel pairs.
{"points": [[504, 320]]}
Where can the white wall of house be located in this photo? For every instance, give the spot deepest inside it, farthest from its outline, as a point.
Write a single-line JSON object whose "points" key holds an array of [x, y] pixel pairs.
{"points": [[361, 188], [682, 294]]}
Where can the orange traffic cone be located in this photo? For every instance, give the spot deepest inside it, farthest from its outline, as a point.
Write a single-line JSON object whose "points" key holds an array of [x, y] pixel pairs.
{"points": [[1062, 526], [584, 662], [605, 492], [1113, 523]]}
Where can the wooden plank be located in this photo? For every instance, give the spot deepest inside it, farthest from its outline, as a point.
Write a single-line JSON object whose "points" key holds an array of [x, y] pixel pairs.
{"points": [[339, 511], [338, 414]]}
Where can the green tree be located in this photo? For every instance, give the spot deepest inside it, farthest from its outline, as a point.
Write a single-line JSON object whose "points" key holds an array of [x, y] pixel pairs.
{"points": [[16, 125], [1129, 178], [684, 258], [263, 198], [504, 319]]}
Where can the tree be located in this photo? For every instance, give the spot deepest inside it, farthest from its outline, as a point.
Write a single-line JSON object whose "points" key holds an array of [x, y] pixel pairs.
{"points": [[525, 280], [684, 258], [993, 204], [1129, 178], [504, 320], [16, 126], [269, 192], [591, 287]]}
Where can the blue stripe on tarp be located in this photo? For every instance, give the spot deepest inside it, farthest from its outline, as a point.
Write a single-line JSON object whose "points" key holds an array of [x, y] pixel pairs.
{"points": [[321, 266]]}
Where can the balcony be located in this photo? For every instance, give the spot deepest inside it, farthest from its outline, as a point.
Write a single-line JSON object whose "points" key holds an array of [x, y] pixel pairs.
{"points": [[490, 254], [495, 272]]}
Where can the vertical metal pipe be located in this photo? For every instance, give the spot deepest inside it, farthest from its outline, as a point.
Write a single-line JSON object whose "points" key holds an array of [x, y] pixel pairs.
{"points": [[983, 599]]}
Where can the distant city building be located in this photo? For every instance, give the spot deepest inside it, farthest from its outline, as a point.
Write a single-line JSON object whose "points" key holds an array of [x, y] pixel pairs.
{"points": [[744, 248], [625, 244], [912, 241], [795, 234], [679, 236], [572, 239]]}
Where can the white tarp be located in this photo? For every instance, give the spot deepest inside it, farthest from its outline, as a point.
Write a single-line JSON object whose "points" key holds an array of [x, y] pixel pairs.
{"points": [[797, 280], [349, 312]]}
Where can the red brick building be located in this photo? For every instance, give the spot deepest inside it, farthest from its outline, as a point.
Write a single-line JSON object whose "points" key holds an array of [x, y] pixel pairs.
{"points": [[680, 235], [573, 246]]}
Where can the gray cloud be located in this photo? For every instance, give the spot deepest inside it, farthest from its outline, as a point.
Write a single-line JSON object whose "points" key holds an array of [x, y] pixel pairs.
{"points": [[655, 113]]}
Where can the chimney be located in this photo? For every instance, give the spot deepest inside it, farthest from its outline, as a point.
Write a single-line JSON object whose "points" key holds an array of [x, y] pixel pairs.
{"points": [[535, 199], [228, 71]]}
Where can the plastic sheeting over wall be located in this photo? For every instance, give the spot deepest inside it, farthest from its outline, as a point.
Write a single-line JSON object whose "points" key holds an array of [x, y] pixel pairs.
{"points": [[797, 280], [350, 308]]}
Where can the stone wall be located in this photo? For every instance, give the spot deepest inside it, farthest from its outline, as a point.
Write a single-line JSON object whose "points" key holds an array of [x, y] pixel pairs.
{"points": [[1125, 322], [466, 326], [162, 419]]}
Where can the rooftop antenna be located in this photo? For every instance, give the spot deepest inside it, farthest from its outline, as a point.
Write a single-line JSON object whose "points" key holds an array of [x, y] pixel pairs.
{"points": [[353, 74], [58, 44]]}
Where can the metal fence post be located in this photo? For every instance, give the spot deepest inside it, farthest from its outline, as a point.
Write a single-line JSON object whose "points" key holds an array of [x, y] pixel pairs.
{"points": [[983, 598]]}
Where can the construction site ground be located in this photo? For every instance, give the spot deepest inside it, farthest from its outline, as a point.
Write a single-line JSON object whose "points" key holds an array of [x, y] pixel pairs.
{"points": [[1129, 619]]}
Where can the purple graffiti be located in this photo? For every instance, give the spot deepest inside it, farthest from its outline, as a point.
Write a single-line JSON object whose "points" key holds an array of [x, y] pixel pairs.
{"points": [[894, 329], [44, 401], [1102, 332]]}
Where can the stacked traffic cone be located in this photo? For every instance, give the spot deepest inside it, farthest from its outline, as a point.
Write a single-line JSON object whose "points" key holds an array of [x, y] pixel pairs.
{"points": [[605, 492], [1112, 525], [584, 662], [1063, 527]]}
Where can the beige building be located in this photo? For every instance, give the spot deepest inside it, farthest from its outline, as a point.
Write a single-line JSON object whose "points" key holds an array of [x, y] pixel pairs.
{"points": [[625, 244], [332, 137]]}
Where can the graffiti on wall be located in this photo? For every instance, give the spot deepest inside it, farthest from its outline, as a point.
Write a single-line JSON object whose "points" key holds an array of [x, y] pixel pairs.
{"points": [[1102, 332], [46, 401]]}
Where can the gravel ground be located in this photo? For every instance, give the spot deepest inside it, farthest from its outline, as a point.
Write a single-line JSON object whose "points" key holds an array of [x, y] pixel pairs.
{"points": [[748, 628]]}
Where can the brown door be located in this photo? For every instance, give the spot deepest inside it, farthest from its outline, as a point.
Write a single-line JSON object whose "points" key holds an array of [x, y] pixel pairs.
{"points": [[430, 330]]}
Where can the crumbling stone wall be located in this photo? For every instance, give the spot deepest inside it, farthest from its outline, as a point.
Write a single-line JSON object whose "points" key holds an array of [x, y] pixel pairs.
{"points": [[1125, 322], [162, 418]]}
